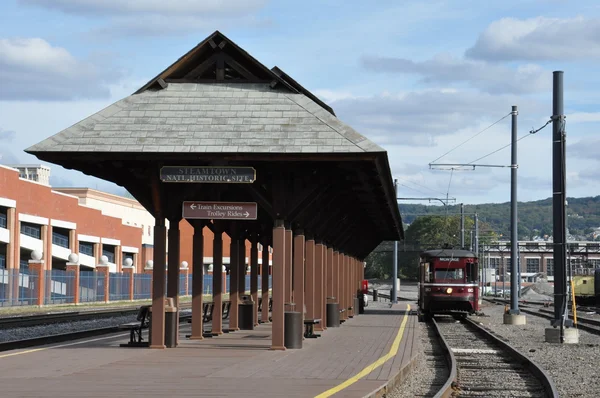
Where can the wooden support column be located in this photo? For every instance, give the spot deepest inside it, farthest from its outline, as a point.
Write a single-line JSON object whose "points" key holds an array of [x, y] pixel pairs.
{"points": [[320, 287], [310, 279], [234, 274], [173, 271], [299, 273], [242, 269], [279, 270], [197, 279], [288, 266], [217, 316], [158, 285], [334, 285], [264, 316], [254, 275]]}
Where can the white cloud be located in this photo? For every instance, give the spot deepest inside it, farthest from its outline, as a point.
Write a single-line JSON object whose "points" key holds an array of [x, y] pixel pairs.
{"points": [[446, 69], [159, 17], [419, 117], [583, 117], [31, 68], [120, 7], [538, 38]]}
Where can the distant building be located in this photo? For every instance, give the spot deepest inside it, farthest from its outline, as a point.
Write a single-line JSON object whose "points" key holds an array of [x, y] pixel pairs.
{"points": [[33, 172], [537, 257]]}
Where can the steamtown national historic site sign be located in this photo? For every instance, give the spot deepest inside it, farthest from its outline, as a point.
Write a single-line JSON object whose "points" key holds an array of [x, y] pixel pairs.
{"points": [[209, 174]]}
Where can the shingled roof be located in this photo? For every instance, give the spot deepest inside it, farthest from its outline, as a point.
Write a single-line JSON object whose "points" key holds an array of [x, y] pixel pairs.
{"points": [[187, 109]]}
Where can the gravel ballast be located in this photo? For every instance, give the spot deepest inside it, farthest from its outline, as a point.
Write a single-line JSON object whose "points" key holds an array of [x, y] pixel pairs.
{"points": [[573, 368]]}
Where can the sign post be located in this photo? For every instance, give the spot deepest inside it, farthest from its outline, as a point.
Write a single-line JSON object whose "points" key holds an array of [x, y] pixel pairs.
{"points": [[220, 210]]}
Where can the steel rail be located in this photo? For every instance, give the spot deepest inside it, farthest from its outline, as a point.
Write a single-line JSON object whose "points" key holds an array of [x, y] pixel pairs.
{"points": [[582, 323], [62, 337], [525, 361], [450, 384], [68, 316]]}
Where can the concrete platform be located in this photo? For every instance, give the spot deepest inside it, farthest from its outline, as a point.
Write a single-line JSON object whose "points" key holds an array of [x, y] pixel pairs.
{"points": [[360, 357]]}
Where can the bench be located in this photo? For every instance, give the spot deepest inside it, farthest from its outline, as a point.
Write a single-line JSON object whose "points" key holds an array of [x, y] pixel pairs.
{"points": [[309, 328], [135, 328]]}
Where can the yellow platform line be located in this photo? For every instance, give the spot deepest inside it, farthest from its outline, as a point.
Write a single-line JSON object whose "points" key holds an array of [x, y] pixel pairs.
{"points": [[392, 353]]}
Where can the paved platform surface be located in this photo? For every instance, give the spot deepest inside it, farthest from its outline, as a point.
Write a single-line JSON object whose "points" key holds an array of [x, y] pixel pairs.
{"points": [[364, 353]]}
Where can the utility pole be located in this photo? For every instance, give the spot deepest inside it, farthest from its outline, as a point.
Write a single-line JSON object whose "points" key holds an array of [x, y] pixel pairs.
{"points": [[395, 267], [514, 316], [559, 219], [462, 226]]}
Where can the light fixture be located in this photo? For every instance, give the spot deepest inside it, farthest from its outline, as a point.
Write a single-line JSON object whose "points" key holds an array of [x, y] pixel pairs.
{"points": [[449, 290]]}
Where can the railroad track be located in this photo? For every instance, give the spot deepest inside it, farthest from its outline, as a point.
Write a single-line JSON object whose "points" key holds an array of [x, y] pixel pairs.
{"points": [[583, 323], [589, 325], [485, 366], [63, 337], [69, 316]]}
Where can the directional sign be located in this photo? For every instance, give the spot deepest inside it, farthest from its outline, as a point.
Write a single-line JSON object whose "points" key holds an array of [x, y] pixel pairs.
{"points": [[220, 210], [208, 174]]}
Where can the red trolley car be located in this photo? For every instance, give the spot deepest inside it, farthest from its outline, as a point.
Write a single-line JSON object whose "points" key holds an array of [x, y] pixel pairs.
{"points": [[448, 283]]}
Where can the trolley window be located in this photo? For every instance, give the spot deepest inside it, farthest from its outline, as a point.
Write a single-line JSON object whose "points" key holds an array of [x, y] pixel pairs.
{"points": [[471, 272], [449, 273]]}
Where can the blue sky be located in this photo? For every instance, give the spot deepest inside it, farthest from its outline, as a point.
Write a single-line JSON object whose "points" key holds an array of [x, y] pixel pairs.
{"points": [[417, 77]]}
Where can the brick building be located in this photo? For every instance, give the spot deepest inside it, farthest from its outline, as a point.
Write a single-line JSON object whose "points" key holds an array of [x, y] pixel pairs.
{"points": [[91, 223]]}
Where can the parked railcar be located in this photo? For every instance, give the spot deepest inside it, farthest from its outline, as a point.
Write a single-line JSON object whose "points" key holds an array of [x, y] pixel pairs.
{"points": [[587, 288], [448, 283]]}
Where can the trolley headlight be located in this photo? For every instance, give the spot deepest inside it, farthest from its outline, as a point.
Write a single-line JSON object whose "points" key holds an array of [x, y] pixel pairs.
{"points": [[449, 290], [470, 290]]}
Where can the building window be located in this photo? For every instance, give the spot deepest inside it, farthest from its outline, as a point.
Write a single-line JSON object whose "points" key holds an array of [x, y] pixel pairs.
{"points": [[23, 264], [86, 248], [260, 247], [2, 261], [495, 263], [59, 238], [594, 263], [550, 267], [533, 264], [109, 252], [33, 230], [3, 218]]}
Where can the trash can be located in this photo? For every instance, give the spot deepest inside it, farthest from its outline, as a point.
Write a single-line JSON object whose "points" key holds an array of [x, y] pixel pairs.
{"points": [[374, 294], [333, 313], [246, 313], [292, 321], [171, 320], [361, 302]]}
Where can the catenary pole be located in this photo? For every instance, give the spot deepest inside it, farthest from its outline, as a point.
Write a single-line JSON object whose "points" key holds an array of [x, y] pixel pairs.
{"points": [[462, 226], [559, 198], [395, 265], [514, 238]]}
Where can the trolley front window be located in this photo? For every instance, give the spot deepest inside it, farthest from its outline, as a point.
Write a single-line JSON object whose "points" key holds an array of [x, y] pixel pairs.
{"points": [[449, 273]]}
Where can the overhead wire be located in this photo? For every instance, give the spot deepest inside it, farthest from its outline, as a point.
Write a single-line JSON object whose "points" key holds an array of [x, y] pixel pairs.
{"points": [[469, 139], [532, 132]]}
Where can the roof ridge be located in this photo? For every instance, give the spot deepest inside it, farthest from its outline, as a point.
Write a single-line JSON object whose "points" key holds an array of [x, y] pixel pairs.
{"points": [[322, 114]]}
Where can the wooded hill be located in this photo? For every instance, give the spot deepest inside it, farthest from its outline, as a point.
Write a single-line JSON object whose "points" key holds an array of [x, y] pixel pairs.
{"points": [[535, 218]]}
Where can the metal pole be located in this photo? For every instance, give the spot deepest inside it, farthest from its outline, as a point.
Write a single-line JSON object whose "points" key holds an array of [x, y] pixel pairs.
{"points": [[462, 226], [476, 241], [558, 202], [514, 237], [395, 266]]}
